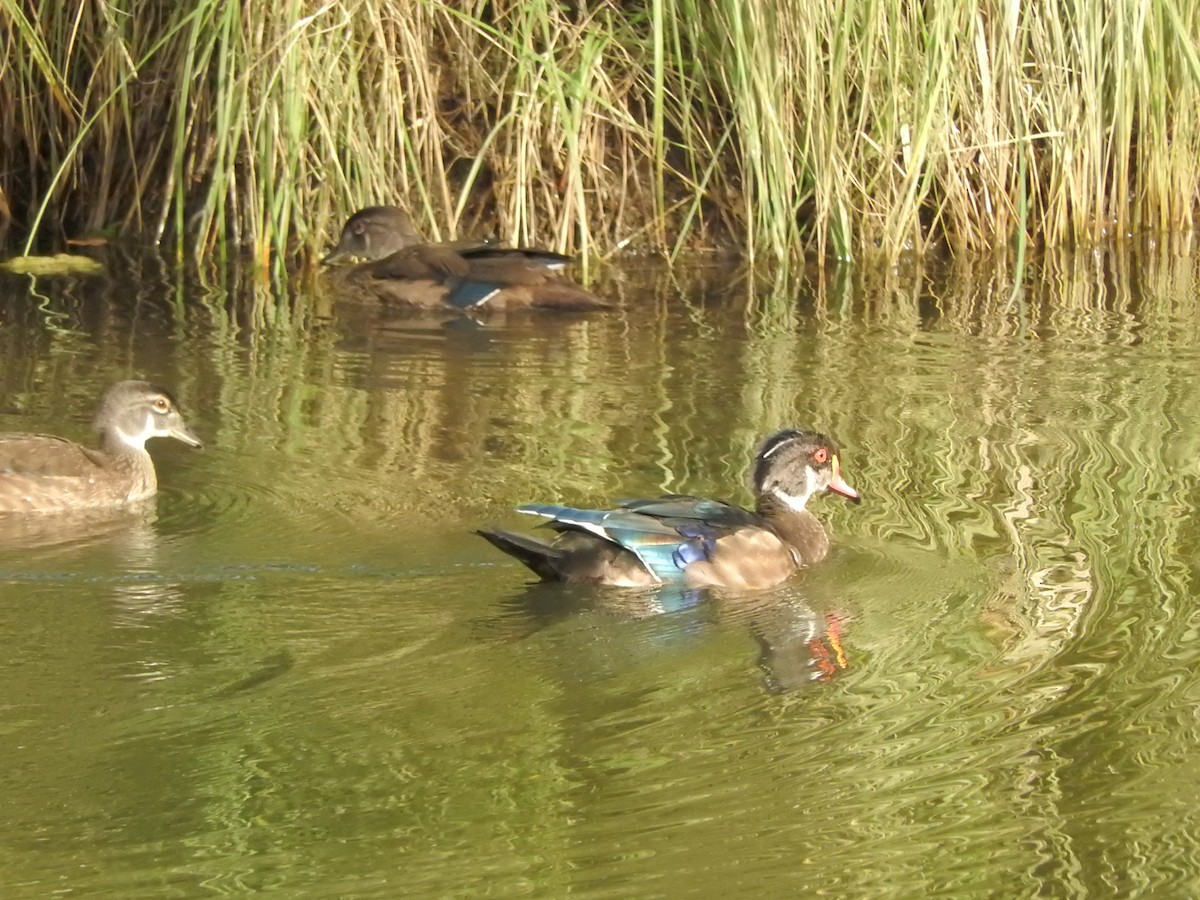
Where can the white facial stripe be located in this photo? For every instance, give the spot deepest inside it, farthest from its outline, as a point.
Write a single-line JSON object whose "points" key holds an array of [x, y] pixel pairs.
{"points": [[776, 447], [812, 484], [792, 501]]}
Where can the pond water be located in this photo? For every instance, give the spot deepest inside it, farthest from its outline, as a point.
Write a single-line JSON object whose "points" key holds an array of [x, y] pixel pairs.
{"points": [[297, 671]]}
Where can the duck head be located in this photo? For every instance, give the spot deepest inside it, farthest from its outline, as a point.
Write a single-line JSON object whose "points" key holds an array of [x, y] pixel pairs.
{"points": [[373, 233], [792, 465], [132, 412]]}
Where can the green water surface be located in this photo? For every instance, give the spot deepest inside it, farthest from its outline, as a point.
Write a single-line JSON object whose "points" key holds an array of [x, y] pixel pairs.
{"points": [[298, 672]]}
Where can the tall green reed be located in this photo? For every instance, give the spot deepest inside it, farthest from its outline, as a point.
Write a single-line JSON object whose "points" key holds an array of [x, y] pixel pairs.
{"points": [[851, 128]]}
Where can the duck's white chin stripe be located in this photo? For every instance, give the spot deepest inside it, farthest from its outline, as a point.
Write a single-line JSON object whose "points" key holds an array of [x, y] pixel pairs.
{"points": [[138, 440], [792, 501]]}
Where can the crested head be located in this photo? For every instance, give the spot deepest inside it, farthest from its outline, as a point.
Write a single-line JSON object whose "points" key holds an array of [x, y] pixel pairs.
{"points": [[132, 412], [792, 465], [373, 233]]}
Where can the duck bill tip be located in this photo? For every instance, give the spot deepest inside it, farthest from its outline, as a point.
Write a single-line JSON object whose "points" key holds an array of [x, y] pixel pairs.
{"points": [[187, 436], [840, 487]]}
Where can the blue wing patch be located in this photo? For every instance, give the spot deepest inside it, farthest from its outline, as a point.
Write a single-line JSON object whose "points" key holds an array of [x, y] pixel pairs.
{"points": [[468, 294], [665, 547]]}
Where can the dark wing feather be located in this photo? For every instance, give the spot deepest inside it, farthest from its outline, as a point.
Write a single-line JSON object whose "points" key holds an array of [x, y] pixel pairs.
{"points": [[546, 259], [424, 261], [715, 513], [667, 535]]}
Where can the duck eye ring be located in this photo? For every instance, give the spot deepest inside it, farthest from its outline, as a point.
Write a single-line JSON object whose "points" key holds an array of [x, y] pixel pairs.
{"points": [[161, 405], [820, 456]]}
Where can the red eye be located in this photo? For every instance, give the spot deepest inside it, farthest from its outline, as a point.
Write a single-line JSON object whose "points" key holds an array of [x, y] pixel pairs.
{"points": [[820, 456]]}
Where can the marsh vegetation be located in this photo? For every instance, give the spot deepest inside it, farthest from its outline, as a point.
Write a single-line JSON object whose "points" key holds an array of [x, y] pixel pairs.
{"points": [[844, 127]]}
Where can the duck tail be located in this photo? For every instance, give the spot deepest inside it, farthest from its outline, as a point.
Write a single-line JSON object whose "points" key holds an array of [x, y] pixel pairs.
{"points": [[537, 555]]}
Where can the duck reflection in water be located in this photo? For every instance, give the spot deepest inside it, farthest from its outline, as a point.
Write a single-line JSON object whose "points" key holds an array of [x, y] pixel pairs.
{"points": [[130, 529], [798, 644], [800, 637]]}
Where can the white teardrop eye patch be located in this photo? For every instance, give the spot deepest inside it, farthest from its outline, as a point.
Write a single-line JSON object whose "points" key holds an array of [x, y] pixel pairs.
{"points": [[161, 405]]}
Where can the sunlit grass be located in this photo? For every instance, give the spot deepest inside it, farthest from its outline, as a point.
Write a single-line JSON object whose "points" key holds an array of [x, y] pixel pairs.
{"points": [[851, 128]]}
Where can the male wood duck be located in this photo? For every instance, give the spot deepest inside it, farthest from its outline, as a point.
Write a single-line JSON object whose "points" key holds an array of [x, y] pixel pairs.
{"points": [[694, 542], [400, 267], [44, 473]]}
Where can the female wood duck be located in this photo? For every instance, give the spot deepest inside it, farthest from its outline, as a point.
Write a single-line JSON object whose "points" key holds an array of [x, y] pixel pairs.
{"points": [[694, 542], [401, 268], [44, 473]]}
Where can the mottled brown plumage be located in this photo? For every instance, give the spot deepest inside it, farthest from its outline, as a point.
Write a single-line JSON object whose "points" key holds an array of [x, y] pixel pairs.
{"points": [[45, 473]]}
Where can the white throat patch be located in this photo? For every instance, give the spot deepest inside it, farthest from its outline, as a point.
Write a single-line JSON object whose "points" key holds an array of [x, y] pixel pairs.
{"points": [[138, 439], [797, 502], [791, 500]]}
